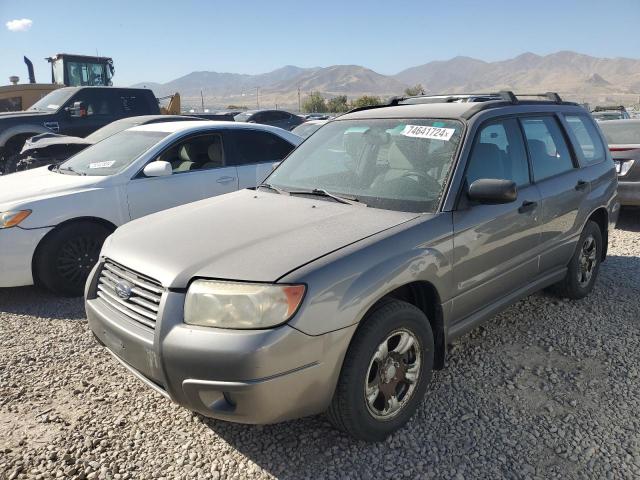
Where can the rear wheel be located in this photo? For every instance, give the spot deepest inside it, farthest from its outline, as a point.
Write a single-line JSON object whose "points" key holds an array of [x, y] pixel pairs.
{"points": [[67, 256], [584, 265], [385, 372]]}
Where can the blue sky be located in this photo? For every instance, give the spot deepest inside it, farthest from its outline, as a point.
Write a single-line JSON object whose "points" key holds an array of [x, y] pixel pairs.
{"points": [[160, 41]]}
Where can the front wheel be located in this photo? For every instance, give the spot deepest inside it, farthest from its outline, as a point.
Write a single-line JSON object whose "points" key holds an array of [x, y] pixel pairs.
{"points": [[583, 268], [67, 256], [385, 372]]}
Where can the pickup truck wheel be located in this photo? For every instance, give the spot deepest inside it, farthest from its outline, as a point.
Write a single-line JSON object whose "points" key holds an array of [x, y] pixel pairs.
{"points": [[67, 256], [10, 164], [385, 372], [584, 265]]}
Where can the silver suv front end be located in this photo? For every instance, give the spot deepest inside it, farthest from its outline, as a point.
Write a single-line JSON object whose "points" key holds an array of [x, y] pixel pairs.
{"points": [[247, 376]]}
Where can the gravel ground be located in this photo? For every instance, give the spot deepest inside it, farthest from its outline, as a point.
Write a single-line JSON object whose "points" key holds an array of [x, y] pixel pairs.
{"points": [[547, 389]]}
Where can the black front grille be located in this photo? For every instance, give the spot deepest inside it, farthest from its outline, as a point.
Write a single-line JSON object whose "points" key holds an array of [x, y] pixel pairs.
{"points": [[129, 292]]}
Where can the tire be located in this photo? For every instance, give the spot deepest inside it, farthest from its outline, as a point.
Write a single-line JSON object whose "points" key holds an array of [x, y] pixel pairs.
{"points": [[11, 164], [65, 259], [577, 284], [363, 417]]}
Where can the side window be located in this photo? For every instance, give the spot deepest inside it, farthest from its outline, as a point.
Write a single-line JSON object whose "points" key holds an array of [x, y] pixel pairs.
{"points": [[95, 101], [132, 104], [498, 152], [586, 138], [280, 116], [202, 152], [547, 148], [252, 146]]}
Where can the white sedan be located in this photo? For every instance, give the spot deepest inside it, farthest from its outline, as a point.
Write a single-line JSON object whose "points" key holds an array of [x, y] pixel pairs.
{"points": [[53, 220]]}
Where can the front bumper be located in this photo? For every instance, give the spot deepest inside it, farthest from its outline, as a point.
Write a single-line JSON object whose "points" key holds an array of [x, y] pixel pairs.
{"points": [[629, 193], [246, 376], [17, 246]]}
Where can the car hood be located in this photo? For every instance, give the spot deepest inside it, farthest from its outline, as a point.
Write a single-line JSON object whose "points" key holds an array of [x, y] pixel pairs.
{"points": [[23, 187], [23, 113], [245, 235], [48, 140]]}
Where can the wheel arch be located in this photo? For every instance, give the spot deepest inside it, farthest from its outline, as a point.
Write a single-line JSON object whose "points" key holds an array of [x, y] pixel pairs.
{"points": [[95, 220], [601, 217], [423, 295]]}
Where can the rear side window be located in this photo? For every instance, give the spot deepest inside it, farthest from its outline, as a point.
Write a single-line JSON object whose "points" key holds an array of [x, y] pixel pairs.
{"points": [[586, 138], [252, 146], [547, 149], [132, 104], [499, 153]]}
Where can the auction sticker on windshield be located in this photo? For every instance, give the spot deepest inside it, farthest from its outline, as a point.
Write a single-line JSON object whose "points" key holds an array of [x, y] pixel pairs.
{"points": [[106, 164], [434, 133]]}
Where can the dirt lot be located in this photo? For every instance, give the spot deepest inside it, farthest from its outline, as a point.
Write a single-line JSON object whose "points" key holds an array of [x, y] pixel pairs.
{"points": [[547, 389]]}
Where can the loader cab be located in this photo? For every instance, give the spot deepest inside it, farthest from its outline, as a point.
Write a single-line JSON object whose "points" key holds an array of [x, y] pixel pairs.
{"points": [[81, 70]]}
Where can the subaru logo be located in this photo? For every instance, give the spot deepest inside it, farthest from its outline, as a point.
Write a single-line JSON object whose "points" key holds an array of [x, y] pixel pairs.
{"points": [[123, 290]]}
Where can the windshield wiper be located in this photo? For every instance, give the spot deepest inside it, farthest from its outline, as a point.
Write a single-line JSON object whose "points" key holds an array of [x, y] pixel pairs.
{"points": [[320, 192], [271, 187]]}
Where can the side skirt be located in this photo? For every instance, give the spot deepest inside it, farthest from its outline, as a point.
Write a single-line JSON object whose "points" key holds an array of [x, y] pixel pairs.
{"points": [[469, 323]]}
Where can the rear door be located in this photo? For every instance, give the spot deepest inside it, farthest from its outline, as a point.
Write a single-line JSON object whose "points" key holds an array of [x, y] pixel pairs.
{"points": [[256, 153], [200, 170], [563, 187], [496, 246]]}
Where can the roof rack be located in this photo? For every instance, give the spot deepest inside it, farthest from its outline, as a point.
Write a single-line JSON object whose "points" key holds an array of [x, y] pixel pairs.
{"points": [[509, 96], [487, 99]]}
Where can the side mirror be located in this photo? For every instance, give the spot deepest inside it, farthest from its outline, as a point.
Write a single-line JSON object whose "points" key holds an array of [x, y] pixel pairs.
{"points": [[79, 110], [159, 168], [493, 190]]}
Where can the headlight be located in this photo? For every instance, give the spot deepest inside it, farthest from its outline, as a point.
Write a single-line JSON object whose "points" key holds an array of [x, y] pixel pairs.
{"points": [[212, 303], [12, 218]]}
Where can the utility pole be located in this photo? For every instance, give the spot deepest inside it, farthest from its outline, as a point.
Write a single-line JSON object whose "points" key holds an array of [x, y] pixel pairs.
{"points": [[299, 104], [257, 97], [201, 100]]}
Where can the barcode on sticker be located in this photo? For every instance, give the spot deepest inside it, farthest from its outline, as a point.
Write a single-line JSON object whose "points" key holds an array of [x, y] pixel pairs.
{"points": [[106, 164], [434, 133]]}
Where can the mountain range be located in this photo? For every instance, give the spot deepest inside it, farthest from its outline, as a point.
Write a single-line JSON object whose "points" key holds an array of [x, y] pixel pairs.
{"points": [[575, 76]]}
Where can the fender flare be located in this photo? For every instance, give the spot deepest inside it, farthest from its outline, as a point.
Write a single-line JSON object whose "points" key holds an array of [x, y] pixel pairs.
{"points": [[21, 129]]}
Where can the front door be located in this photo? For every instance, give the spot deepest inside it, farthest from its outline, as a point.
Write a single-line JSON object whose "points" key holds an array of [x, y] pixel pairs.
{"points": [[199, 170], [495, 246]]}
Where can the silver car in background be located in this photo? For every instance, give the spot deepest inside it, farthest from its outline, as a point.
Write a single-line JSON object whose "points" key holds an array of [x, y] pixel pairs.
{"points": [[338, 283]]}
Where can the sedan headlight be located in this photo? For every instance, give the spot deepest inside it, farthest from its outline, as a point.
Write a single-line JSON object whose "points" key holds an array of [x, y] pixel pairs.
{"points": [[212, 303], [12, 218]]}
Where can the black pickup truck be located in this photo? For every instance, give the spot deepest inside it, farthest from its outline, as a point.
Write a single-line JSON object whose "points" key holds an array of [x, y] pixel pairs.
{"points": [[76, 111]]}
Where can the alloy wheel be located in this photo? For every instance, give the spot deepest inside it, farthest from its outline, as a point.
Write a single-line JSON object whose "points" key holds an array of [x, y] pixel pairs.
{"points": [[393, 374]]}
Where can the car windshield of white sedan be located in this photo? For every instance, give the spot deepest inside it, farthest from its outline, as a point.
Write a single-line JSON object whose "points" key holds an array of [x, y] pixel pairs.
{"points": [[111, 155], [394, 164]]}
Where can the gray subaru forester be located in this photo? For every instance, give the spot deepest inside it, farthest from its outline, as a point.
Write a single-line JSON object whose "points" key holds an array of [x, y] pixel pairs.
{"points": [[337, 284]]}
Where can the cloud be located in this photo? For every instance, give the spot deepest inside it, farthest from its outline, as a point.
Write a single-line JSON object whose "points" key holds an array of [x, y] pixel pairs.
{"points": [[19, 24]]}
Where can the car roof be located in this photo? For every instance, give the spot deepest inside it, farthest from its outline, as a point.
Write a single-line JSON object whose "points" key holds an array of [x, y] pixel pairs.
{"points": [[620, 121], [199, 125]]}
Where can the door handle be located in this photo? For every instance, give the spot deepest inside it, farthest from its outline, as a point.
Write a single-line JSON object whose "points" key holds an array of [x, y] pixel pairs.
{"points": [[581, 185], [225, 179], [527, 206]]}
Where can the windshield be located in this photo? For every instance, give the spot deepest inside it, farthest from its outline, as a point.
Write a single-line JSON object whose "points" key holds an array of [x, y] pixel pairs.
{"points": [[242, 117], [111, 155], [394, 164], [305, 129], [607, 116], [53, 101], [111, 129], [619, 133]]}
